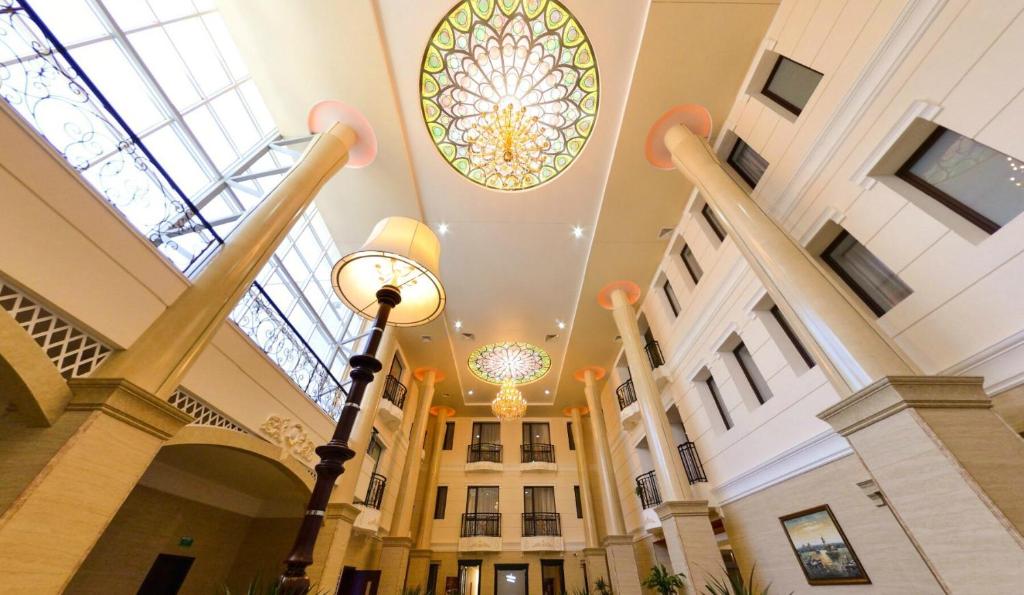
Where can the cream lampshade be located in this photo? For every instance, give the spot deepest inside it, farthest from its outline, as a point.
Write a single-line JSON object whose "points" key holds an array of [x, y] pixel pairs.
{"points": [[401, 252]]}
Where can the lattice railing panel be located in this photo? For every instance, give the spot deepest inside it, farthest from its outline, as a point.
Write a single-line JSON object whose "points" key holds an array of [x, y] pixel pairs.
{"points": [[74, 352], [203, 414]]}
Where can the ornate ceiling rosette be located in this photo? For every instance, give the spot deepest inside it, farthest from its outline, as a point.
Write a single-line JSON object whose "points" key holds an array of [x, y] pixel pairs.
{"points": [[509, 90], [521, 363]]}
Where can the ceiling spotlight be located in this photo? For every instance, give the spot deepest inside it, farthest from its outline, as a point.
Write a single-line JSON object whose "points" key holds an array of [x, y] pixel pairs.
{"points": [[547, 392], [561, 324], [442, 228], [469, 392], [458, 324], [577, 231]]}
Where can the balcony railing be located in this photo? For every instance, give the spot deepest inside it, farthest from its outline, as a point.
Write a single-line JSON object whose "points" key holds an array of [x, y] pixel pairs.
{"points": [[538, 453], [394, 391], [484, 452], [691, 463], [481, 524], [626, 394], [375, 491], [260, 318], [654, 354], [542, 524], [647, 489]]}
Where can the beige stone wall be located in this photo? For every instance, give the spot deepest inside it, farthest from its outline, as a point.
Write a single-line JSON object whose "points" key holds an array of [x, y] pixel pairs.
{"points": [[1009, 405], [888, 556]]}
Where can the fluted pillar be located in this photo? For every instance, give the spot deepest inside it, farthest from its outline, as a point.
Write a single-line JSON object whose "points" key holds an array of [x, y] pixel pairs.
{"points": [[617, 546], [395, 551], [121, 408], [419, 558], [933, 444]]}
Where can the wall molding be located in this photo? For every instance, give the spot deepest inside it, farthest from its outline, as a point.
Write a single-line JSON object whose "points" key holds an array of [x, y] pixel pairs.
{"points": [[990, 354], [919, 109], [816, 452]]}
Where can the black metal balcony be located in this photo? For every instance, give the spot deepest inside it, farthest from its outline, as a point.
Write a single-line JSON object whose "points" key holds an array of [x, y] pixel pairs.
{"points": [[654, 354], [481, 524], [691, 463], [542, 524], [375, 491], [538, 453], [626, 394], [647, 489], [394, 391], [484, 452]]}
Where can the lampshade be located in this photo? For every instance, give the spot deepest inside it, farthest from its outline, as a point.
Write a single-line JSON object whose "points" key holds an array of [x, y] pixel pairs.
{"points": [[402, 252]]}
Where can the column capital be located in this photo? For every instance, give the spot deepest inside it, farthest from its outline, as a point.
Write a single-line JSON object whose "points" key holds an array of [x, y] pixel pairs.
{"points": [[421, 374], [598, 373], [610, 540], [344, 511], [421, 553], [632, 291], [593, 551], [442, 410], [571, 411], [389, 541], [680, 508], [129, 403], [891, 394]]}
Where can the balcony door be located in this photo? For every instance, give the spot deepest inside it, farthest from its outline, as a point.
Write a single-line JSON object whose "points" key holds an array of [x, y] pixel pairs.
{"points": [[481, 499], [482, 518], [539, 516], [536, 433], [485, 442], [486, 433]]}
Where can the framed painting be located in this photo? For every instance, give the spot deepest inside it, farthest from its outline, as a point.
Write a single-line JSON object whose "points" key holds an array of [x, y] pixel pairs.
{"points": [[821, 548]]}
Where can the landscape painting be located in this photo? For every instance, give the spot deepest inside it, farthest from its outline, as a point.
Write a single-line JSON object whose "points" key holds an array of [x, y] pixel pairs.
{"points": [[825, 555]]}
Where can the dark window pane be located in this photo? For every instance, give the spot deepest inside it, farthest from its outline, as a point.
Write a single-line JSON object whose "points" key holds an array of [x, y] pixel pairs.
{"points": [[579, 503], [572, 440], [980, 184], [784, 324], [435, 568], [536, 433], [692, 266], [867, 276], [673, 302], [441, 503], [539, 499], [449, 435], [486, 433], [713, 222], [757, 382], [481, 499], [791, 84], [716, 396], [747, 163]]}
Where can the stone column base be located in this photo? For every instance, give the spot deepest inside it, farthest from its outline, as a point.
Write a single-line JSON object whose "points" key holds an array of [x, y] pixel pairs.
{"points": [[690, 540], [622, 570], [394, 561], [950, 469], [419, 568], [337, 530], [54, 523], [596, 565]]}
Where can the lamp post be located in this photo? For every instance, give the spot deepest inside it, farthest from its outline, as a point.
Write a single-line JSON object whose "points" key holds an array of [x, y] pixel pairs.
{"points": [[398, 264]]}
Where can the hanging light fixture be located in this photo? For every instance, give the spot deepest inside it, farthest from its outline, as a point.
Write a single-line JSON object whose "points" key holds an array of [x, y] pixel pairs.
{"points": [[509, 404]]}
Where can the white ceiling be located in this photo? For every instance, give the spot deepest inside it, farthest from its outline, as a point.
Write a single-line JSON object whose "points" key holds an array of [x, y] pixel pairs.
{"points": [[510, 263]]}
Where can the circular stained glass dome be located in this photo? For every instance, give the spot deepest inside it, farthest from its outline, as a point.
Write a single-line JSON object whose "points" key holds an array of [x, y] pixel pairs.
{"points": [[509, 91], [520, 362]]}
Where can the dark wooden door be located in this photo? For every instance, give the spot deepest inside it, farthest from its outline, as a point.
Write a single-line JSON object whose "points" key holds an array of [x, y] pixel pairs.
{"points": [[358, 582], [166, 575]]}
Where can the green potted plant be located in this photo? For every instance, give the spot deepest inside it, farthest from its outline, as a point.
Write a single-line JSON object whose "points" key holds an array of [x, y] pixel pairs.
{"points": [[664, 582], [602, 587], [735, 584]]}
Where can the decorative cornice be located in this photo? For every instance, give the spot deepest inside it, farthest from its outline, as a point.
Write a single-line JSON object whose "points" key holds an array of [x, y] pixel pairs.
{"points": [[126, 401], [682, 508], [403, 542], [291, 435], [342, 511]]}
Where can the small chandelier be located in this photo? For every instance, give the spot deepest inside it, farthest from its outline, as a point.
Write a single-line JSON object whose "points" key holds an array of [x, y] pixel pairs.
{"points": [[509, 404], [507, 145]]}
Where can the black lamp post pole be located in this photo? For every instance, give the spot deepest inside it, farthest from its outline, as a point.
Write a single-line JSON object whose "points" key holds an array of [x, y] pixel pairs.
{"points": [[334, 454]]}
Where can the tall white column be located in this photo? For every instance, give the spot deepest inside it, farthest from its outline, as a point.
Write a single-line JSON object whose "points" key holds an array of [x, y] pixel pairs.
{"points": [[586, 502], [430, 495], [401, 524]]}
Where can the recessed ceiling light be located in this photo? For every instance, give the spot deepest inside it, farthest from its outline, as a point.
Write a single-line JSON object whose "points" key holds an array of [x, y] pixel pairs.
{"points": [[442, 228], [469, 392], [577, 231], [458, 324], [561, 324], [547, 392]]}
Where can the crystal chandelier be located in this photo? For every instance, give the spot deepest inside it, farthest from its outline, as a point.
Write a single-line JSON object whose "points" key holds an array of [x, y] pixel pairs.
{"points": [[507, 145], [509, 404]]}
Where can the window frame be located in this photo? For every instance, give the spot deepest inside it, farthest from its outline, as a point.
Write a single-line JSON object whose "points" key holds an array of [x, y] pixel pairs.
{"points": [[826, 256], [749, 374], [791, 335], [716, 397], [475, 490], [782, 102], [712, 220], [440, 502], [448, 440], [950, 202], [533, 499], [572, 439], [579, 501], [672, 298], [735, 165], [697, 275]]}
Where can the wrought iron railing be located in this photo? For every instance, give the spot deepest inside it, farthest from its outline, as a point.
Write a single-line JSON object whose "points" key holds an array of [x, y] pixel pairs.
{"points": [[375, 491], [654, 354], [260, 318], [481, 524], [626, 394], [43, 82], [542, 524], [484, 452], [691, 463], [647, 489], [538, 453], [394, 391]]}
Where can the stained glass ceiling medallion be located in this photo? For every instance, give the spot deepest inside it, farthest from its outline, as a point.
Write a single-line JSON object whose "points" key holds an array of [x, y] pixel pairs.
{"points": [[509, 91], [519, 362]]}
